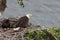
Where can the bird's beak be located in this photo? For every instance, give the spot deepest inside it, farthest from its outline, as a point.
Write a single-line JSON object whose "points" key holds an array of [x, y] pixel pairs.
{"points": [[30, 15]]}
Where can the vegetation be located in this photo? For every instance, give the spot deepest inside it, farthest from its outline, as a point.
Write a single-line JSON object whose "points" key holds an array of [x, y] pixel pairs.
{"points": [[20, 2], [47, 34]]}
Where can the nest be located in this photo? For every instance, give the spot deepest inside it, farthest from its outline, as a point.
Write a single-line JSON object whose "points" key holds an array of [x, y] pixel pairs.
{"points": [[10, 34]]}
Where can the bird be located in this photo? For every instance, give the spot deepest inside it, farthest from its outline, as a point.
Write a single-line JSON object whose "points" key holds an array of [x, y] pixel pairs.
{"points": [[2, 6], [6, 23], [22, 22]]}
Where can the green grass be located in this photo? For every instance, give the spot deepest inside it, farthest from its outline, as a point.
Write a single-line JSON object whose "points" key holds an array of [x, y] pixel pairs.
{"points": [[41, 34]]}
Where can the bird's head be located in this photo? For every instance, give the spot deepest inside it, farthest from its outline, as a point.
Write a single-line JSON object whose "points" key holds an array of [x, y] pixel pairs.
{"points": [[29, 15]]}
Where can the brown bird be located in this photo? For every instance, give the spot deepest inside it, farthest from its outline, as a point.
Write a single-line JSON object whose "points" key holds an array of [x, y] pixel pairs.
{"points": [[22, 22], [2, 6], [6, 24]]}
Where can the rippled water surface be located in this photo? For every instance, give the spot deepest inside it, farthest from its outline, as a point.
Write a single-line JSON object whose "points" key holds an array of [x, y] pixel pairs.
{"points": [[45, 12]]}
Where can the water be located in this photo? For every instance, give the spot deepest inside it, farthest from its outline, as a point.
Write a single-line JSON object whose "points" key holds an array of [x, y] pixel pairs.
{"points": [[45, 12]]}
